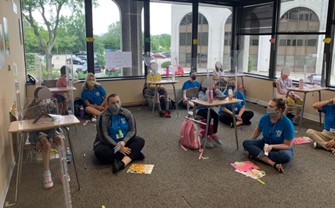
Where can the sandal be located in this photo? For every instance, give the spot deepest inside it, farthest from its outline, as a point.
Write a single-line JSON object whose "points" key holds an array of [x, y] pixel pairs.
{"points": [[278, 167]]}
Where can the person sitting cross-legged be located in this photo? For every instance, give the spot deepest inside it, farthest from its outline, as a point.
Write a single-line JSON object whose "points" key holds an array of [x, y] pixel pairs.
{"points": [[275, 148], [326, 138]]}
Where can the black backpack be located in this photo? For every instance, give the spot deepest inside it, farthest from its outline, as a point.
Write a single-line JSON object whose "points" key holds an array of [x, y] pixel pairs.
{"points": [[172, 104], [78, 102]]}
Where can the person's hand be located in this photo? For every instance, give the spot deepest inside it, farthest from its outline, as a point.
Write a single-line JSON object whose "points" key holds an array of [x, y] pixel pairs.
{"points": [[239, 118], [100, 108], [267, 148], [124, 150], [291, 94], [331, 144]]}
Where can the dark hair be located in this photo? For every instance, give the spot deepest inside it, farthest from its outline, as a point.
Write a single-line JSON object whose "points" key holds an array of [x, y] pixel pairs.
{"points": [[112, 95], [192, 70], [63, 70], [280, 103]]}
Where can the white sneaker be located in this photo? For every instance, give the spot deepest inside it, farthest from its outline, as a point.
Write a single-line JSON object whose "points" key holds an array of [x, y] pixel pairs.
{"points": [[315, 145]]}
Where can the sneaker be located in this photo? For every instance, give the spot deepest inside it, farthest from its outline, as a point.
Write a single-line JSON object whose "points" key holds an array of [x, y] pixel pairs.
{"points": [[94, 119], [315, 145], [117, 166], [209, 143], [48, 183], [167, 114], [217, 139], [162, 113]]}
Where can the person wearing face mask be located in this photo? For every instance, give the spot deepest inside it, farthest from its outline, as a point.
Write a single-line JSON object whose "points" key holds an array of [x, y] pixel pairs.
{"points": [[282, 85], [218, 76], [116, 141], [326, 138], [94, 96], [43, 140], [155, 76], [242, 115], [275, 148], [191, 83]]}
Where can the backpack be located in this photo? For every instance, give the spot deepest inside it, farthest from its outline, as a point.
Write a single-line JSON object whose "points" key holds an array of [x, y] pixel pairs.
{"points": [[189, 136], [78, 102], [172, 104]]}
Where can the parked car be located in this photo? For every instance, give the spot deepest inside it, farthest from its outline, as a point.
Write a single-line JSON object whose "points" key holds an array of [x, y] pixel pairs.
{"points": [[158, 56], [167, 54], [83, 68], [179, 70], [110, 71], [75, 60]]}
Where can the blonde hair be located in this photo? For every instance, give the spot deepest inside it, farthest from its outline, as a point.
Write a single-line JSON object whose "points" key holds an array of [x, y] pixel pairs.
{"points": [[85, 85]]}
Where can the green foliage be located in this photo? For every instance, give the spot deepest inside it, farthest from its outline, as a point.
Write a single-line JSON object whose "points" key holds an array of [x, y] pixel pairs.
{"points": [[160, 43], [250, 63], [30, 61], [166, 64], [112, 39]]}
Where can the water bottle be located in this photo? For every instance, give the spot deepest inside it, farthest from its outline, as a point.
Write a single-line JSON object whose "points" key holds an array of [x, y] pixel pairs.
{"points": [[82, 112], [210, 95], [230, 94], [301, 84], [68, 158]]}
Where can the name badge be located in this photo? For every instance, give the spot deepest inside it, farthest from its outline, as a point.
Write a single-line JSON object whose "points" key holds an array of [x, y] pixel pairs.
{"points": [[332, 130]]}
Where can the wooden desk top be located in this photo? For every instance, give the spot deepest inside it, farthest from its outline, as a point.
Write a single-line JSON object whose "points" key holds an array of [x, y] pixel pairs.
{"points": [[216, 102], [307, 89], [61, 89], [42, 124], [163, 82]]}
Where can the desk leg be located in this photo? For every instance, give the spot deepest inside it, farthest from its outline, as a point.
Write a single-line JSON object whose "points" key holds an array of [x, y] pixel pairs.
{"points": [[65, 176], [175, 98], [319, 112], [18, 170], [73, 156], [235, 127], [302, 111], [207, 130], [154, 99]]}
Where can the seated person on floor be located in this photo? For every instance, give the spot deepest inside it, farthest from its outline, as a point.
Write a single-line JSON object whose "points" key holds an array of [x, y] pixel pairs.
{"points": [[43, 140], [282, 85], [62, 96], [326, 138], [202, 112], [94, 96], [116, 141], [275, 148], [226, 111], [189, 84], [155, 76]]}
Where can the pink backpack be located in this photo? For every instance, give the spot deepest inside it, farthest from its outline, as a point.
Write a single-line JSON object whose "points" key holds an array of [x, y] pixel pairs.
{"points": [[189, 135]]}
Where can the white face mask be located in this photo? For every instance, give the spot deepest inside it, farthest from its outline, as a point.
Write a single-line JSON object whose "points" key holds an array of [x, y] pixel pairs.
{"points": [[271, 111], [115, 108], [154, 70]]}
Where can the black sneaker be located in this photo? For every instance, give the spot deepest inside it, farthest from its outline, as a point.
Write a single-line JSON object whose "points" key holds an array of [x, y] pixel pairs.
{"points": [[117, 166], [140, 156]]}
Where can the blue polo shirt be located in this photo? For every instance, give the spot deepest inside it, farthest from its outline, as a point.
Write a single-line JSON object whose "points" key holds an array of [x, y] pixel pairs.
{"points": [[329, 111], [119, 123], [276, 133], [94, 96]]}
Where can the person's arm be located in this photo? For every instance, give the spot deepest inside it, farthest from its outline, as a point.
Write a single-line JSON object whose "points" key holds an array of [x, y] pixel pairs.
{"points": [[131, 125], [240, 113], [184, 95], [320, 104], [257, 131], [280, 90]]}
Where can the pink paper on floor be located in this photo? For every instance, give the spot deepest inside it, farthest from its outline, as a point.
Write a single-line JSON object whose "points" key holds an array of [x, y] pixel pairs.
{"points": [[244, 166], [301, 140]]}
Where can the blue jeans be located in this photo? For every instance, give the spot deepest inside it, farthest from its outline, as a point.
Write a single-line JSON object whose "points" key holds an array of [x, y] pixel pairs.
{"points": [[255, 148]]}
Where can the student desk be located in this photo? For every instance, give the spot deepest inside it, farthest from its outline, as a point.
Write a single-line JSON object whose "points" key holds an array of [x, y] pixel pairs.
{"points": [[306, 90], [165, 82], [61, 89], [214, 104], [25, 126]]}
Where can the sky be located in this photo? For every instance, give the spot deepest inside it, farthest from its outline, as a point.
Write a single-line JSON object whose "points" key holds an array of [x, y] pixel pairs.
{"points": [[108, 12]]}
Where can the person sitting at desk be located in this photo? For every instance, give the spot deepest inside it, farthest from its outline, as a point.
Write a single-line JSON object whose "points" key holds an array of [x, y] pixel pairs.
{"points": [[326, 138], [282, 85], [94, 96], [189, 84], [116, 141], [226, 112], [275, 148], [218, 76], [62, 96], [203, 110], [155, 76], [43, 140]]}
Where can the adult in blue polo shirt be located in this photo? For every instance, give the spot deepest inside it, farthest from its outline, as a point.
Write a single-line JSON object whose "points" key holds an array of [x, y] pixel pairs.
{"points": [[275, 148], [94, 96], [326, 138], [189, 84]]}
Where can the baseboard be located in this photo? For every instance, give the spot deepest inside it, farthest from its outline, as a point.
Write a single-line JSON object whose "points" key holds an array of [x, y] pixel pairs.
{"points": [[308, 116], [6, 185]]}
